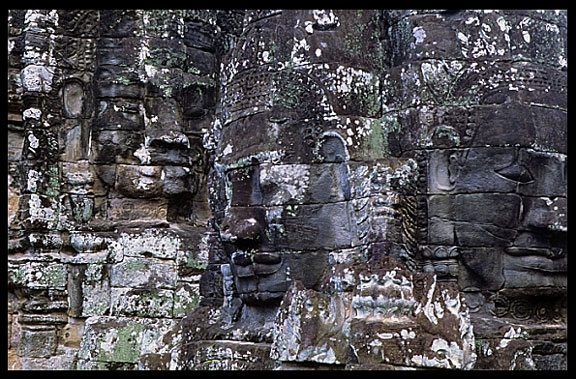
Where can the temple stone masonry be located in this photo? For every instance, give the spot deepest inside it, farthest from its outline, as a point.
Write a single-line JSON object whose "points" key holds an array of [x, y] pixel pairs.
{"points": [[287, 189]]}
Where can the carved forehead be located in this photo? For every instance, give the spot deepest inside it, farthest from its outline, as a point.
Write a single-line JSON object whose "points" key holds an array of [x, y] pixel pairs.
{"points": [[263, 140], [282, 95], [298, 80]]}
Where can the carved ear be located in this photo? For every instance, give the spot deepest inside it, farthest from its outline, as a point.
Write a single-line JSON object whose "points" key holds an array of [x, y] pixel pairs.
{"points": [[332, 149], [445, 136], [443, 167], [73, 97]]}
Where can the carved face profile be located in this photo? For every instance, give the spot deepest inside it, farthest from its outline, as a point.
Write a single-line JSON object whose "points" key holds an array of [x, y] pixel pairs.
{"points": [[282, 150], [282, 220], [505, 208]]}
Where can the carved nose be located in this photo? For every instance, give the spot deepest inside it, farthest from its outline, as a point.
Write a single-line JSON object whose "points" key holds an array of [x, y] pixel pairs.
{"points": [[242, 223], [233, 231]]}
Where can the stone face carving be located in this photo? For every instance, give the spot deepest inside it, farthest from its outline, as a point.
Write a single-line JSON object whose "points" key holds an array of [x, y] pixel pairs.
{"points": [[103, 248], [298, 196], [467, 212], [287, 189], [485, 170]]}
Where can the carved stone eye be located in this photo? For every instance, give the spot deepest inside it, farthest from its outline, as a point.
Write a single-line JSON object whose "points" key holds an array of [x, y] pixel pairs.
{"points": [[241, 259], [516, 172]]}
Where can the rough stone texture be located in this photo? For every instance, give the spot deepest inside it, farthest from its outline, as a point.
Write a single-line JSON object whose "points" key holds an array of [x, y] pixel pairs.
{"points": [[287, 189], [107, 212], [374, 315]]}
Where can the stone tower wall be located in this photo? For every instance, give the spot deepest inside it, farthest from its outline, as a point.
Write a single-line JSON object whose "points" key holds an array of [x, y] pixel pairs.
{"points": [[114, 124]]}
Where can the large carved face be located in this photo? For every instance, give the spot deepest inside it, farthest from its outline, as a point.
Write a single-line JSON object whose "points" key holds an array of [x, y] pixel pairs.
{"points": [[506, 208], [283, 152], [503, 208], [284, 215]]}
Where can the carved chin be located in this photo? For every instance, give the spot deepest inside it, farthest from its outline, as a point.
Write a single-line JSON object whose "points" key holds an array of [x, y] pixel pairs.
{"points": [[262, 289]]}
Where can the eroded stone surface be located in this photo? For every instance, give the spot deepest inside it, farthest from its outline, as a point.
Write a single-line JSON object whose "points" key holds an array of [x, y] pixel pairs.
{"points": [[295, 189], [376, 314]]}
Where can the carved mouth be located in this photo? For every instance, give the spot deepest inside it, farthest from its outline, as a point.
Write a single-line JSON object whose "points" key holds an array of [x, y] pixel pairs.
{"points": [[260, 276], [253, 264], [261, 297], [257, 270]]}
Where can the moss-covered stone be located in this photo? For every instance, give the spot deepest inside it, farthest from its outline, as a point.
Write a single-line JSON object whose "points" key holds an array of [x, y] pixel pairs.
{"points": [[38, 275]]}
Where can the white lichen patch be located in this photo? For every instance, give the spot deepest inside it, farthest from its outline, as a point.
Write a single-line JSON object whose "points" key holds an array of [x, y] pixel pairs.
{"points": [[407, 334], [526, 36], [473, 20], [108, 340], [150, 71], [325, 17], [153, 337], [143, 183], [428, 307], [454, 355], [386, 336], [227, 150], [299, 54], [503, 24], [344, 281], [143, 154], [34, 18], [39, 213], [307, 309], [510, 335], [37, 78], [419, 35], [32, 182], [348, 79], [32, 114], [157, 243], [34, 142], [267, 156], [290, 181]]}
